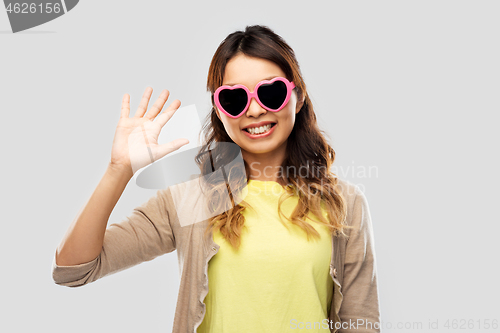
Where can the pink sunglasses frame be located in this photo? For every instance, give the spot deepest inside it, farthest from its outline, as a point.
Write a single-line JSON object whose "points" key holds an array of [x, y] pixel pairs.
{"points": [[289, 87]]}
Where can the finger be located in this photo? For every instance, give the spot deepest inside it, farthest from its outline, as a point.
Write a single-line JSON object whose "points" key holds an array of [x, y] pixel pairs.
{"points": [[125, 106], [160, 102], [162, 119], [143, 106], [167, 148]]}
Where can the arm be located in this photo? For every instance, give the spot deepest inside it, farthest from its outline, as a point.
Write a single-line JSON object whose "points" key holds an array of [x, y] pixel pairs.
{"points": [[143, 236], [360, 311], [89, 251], [83, 240]]}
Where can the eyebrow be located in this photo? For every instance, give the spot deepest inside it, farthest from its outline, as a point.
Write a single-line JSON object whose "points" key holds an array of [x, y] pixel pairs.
{"points": [[267, 78]]}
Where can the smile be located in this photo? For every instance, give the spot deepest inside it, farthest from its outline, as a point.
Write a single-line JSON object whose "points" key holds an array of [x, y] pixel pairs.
{"points": [[259, 132]]}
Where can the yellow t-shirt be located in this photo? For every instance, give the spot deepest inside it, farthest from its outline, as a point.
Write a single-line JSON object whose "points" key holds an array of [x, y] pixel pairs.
{"points": [[278, 281]]}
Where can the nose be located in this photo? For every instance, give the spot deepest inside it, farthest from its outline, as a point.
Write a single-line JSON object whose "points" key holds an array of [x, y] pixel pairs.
{"points": [[254, 109]]}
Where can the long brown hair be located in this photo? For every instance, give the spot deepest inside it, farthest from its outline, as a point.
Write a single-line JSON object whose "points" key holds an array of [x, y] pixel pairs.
{"points": [[307, 142]]}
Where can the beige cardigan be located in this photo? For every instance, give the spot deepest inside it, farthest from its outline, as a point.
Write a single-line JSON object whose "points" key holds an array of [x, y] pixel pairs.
{"points": [[153, 229]]}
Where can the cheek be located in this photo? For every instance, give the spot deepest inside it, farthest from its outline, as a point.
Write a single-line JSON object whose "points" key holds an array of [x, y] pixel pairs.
{"points": [[292, 103], [231, 127], [288, 116]]}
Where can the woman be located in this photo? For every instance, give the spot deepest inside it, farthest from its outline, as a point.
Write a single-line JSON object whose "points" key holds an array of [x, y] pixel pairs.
{"points": [[295, 252]]}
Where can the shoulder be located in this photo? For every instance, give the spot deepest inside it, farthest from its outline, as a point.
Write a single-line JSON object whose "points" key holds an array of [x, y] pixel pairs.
{"points": [[187, 202], [356, 202], [349, 191]]}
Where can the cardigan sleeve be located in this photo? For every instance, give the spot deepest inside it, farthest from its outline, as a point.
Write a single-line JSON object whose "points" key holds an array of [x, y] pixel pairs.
{"points": [[143, 236], [360, 309]]}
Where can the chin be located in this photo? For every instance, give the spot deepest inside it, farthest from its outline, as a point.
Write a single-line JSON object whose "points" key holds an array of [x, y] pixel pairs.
{"points": [[260, 148]]}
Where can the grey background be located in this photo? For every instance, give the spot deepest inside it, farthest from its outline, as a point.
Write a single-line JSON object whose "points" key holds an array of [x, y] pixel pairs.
{"points": [[408, 87]]}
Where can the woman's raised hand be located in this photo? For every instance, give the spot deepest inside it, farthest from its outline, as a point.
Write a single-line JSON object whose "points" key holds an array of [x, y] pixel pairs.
{"points": [[135, 144]]}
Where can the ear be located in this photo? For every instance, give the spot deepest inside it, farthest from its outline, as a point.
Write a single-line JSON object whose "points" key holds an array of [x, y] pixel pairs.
{"points": [[299, 105]]}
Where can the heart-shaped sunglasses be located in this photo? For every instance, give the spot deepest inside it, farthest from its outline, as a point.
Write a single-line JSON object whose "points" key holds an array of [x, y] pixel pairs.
{"points": [[272, 95]]}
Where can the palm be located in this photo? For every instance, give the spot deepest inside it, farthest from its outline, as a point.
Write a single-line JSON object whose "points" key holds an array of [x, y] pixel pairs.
{"points": [[136, 139]]}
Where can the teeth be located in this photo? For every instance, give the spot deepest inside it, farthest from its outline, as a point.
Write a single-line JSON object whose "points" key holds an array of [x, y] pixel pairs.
{"points": [[259, 130]]}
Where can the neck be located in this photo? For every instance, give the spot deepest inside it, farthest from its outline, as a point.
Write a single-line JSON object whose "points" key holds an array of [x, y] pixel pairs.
{"points": [[265, 166]]}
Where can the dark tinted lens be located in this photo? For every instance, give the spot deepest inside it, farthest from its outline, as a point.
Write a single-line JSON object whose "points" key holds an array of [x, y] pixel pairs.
{"points": [[272, 95], [233, 101]]}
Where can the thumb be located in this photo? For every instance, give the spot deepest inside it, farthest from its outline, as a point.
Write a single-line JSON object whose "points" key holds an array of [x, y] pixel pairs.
{"points": [[171, 146]]}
